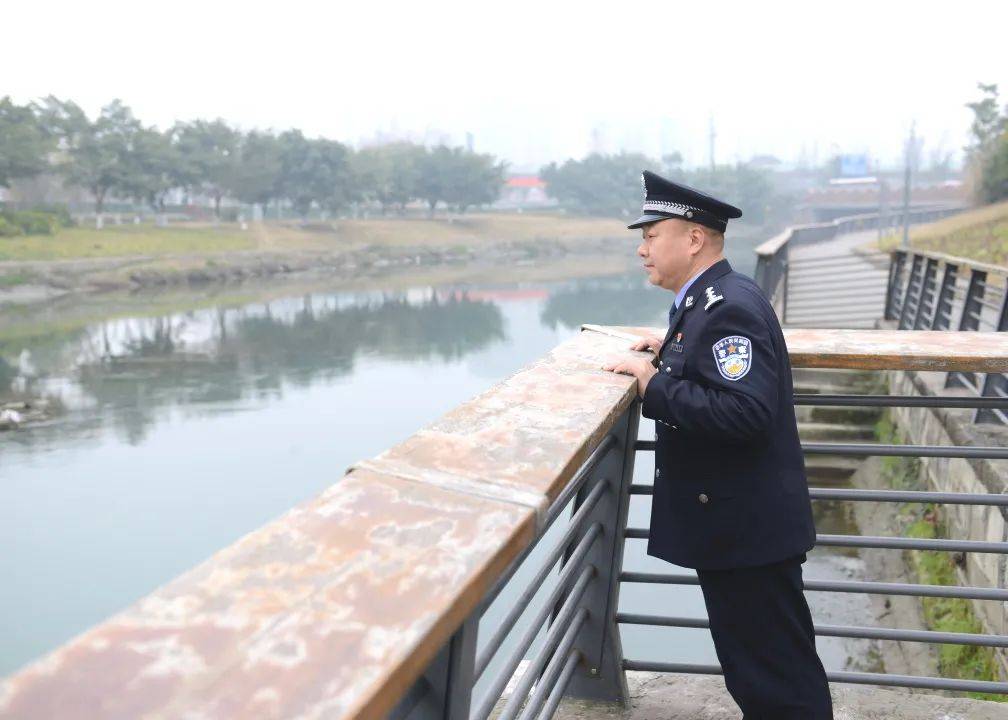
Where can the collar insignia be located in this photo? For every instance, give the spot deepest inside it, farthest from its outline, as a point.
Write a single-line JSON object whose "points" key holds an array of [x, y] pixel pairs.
{"points": [[689, 301], [712, 297]]}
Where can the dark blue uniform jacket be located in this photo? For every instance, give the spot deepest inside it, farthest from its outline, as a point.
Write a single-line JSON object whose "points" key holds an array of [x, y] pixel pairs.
{"points": [[729, 487]]}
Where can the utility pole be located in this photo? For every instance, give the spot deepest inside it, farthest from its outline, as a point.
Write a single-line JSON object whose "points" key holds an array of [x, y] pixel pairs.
{"points": [[911, 144], [712, 135], [882, 220]]}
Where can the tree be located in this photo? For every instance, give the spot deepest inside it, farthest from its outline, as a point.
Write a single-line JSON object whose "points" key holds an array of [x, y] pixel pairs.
{"points": [[599, 184], [208, 155], [313, 171], [988, 155], [96, 152], [24, 144], [151, 167], [257, 172], [476, 180], [389, 174]]}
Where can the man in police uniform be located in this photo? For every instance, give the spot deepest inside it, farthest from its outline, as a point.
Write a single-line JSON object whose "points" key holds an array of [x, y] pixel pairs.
{"points": [[730, 494]]}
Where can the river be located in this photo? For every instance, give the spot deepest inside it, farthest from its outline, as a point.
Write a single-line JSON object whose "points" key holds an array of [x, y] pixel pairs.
{"points": [[183, 431]]}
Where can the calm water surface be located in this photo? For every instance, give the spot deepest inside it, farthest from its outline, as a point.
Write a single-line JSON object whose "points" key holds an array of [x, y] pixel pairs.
{"points": [[184, 432]]}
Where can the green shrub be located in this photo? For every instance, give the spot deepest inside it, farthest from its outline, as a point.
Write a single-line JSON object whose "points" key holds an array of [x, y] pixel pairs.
{"points": [[9, 229], [32, 222]]}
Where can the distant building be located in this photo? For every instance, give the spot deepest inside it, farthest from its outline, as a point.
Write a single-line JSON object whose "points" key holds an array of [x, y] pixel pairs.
{"points": [[527, 191]]}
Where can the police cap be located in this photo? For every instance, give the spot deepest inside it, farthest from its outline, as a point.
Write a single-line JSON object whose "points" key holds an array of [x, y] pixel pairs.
{"points": [[666, 199]]}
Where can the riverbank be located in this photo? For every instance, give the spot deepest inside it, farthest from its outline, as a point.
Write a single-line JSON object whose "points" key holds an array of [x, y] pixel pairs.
{"points": [[141, 257], [130, 256]]}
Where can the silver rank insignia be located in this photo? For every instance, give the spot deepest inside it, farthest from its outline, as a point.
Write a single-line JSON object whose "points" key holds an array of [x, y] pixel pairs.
{"points": [[733, 355], [712, 297], [689, 301]]}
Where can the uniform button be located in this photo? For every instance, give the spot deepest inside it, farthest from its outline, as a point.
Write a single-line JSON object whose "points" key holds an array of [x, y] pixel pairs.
{"points": [[668, 370], [657, 473], [703, 498]]}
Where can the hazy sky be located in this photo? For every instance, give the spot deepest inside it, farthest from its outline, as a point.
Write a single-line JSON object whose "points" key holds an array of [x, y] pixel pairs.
{"points": [[533, 81]]}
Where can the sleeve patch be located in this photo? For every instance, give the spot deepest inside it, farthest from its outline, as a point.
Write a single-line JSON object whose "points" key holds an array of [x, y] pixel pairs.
{"points": [[733, 355]]}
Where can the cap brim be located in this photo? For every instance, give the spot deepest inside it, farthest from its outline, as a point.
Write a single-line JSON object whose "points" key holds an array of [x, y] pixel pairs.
{"points": [[645, 219]]}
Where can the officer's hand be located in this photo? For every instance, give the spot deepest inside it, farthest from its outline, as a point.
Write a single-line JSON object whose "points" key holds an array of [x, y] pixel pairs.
{"points": [[640, 368], [648, 343]]}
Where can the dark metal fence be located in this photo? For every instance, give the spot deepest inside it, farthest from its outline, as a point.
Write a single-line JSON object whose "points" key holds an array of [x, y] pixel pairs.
{"points": [[931, 291], [581, 654]]}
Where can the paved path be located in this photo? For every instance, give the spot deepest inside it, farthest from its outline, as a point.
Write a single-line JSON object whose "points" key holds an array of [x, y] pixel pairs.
{"points": [[832, 284], [691, 697]]}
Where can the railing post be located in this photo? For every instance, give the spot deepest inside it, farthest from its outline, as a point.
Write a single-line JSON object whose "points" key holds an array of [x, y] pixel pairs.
{"points": [[444, 691], [943, 307], [995, 384], [969, 320], [927, 291], [916, 268], [896, 263], [786, 270], [600, 676]]}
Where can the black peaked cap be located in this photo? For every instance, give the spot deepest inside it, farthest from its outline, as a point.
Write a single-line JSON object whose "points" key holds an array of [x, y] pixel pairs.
{"points": [[664, 199]]}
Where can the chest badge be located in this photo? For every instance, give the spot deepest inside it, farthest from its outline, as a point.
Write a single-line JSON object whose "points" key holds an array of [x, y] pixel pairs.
{"points": [[678, 337], [733, 355]]}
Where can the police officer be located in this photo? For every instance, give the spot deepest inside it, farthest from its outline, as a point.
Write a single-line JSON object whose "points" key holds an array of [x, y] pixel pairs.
{"points": [[730, 495]]}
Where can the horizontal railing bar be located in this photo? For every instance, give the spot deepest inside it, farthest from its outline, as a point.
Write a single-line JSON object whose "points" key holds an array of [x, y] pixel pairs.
{"points": [[568, 621], [897, 401], [894, 543], [846, 586], [519, 606], [554, 666], [577, 557], [887, 543], [873, 449], [565, 496], [844, 631], [557, 693], [909, 496], [843, 676], [500, 682]]}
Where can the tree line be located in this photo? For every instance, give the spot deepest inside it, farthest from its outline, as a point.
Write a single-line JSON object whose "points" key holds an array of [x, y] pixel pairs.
{"points": [[611, 184], [116, 155]]}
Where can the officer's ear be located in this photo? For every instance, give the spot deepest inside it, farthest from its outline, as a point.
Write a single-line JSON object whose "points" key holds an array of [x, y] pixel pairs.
{"points": [[698, 238]]}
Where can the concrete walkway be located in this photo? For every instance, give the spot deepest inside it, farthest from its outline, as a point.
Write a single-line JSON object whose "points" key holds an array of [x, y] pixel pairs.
{"points": [[834, 285], [657, 696]]}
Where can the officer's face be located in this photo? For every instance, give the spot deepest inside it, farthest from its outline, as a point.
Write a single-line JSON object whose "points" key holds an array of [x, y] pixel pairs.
{"points": [[667, 249]]}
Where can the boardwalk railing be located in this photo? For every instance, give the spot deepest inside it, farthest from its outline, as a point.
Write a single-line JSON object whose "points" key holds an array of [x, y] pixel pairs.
{"points": [[489, 542], [941, 292], [772, 262]]}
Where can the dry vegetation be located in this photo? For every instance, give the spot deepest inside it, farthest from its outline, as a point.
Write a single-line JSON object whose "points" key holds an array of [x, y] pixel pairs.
{"points": [[980, 234]]}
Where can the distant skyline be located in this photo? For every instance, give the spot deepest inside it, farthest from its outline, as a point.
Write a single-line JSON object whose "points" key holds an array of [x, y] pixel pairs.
{"points": [[532, 82]]}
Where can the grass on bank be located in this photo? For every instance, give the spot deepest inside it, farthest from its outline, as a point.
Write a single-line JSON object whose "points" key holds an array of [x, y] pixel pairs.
{"points": [[187, 238], [924, 521], [980, 234]]}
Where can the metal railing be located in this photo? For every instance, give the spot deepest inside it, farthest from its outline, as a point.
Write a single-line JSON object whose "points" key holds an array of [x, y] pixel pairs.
{"points": [[865, 542], [772, 257], [932, 291]]}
